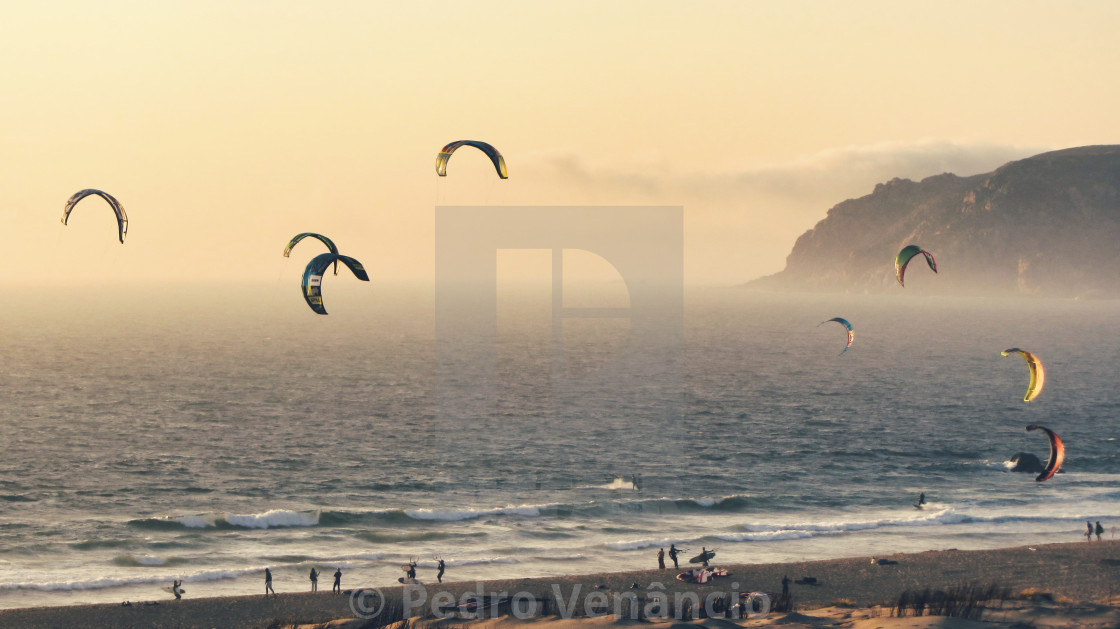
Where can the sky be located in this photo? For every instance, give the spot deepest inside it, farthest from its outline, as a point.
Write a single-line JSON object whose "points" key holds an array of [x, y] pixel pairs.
{"points": [[225, 128]]}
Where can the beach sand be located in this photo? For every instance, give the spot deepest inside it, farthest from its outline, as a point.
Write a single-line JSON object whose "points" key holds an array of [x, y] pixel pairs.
{"points": [[1072, 583]]}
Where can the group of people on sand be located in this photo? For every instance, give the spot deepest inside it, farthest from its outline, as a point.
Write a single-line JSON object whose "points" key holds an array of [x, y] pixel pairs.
{"points": [[314, 581], [1090, 529], [410, 573], [314, 576], [673, 553]]}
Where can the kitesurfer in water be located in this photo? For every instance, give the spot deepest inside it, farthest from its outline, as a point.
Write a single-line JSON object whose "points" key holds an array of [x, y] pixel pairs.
{"points": [[634, 482], [673, 555], [921, 499]]}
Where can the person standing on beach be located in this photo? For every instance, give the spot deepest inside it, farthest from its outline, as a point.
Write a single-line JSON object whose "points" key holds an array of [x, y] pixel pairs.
{"points": [[337, 581], [661, 559], [411, 571], [704, 556], [673, 555], [1088, 531], [314, 580], [175, 585], [1100, 530], [439, 571], [268, 582]]}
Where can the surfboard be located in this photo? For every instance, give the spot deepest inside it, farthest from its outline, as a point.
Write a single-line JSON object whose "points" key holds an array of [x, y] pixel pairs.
{"points": [[171, 590], [702, 556]]}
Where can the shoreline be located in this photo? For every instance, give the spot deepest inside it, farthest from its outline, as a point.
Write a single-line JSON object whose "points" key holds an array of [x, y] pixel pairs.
{"points": [[1078, 572]]}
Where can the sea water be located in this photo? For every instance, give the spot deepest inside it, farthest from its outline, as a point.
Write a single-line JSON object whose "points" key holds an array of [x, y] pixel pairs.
{"points": [[204, 435]]}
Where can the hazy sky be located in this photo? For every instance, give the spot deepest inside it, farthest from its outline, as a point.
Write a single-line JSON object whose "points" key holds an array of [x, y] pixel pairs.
{"points": [[227, 127]]}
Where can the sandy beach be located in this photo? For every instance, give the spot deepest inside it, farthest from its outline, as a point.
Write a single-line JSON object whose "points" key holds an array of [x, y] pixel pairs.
{"points": [[1058, 582]]}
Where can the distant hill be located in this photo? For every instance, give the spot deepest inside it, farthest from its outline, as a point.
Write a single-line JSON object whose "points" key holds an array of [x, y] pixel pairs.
{"points": [[1048, 225]]}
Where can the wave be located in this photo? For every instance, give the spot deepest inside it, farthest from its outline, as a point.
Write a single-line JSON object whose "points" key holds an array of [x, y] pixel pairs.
{"points": [[17, 498], [100, 584], [423, 536], [275, 518], [451, 563], [285, 518], [455, 515], [144, 561]]}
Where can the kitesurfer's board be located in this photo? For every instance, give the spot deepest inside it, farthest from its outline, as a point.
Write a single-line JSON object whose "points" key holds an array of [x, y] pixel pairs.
{"points": [[703, 557], [407, 580], [919, 507]]}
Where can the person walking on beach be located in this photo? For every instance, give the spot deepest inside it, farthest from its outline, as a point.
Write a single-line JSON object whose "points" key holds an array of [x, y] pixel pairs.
{"points": [[268, 582], [1088, 531], [175, 585], [673, 555], [314, 580], [661, 559], [704, 556], [337, 581], [1100, 530], [439, 571]]}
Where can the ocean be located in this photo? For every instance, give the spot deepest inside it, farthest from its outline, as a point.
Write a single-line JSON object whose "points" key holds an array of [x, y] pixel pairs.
{"points": [[149, 434]]}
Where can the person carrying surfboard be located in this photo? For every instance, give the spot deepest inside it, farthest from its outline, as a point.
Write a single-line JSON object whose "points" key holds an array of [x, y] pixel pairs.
{"points": [[175, 589]]}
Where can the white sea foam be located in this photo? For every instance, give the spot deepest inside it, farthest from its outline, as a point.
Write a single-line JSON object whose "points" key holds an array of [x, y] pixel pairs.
{"points": [[453, 515], [274, 518], [196, 521], [98, 584]]}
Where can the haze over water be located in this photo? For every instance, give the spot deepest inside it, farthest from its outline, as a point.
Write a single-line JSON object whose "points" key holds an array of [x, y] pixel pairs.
{"points": [[155, 436]]}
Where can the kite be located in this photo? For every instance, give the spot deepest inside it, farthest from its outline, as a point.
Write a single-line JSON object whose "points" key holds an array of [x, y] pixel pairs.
{"points": [[326, 241], [313, 277], [491, 152], [844, 322], [904, 258], [1057, 453], [122, 218], [1038, 374]]}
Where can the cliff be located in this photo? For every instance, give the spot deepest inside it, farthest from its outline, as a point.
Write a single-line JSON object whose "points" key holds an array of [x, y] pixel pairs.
{"points": [[1048, 225]]}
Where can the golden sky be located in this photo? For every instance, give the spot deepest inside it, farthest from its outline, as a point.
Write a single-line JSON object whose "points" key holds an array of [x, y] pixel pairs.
{"points": [[227, 127]]}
